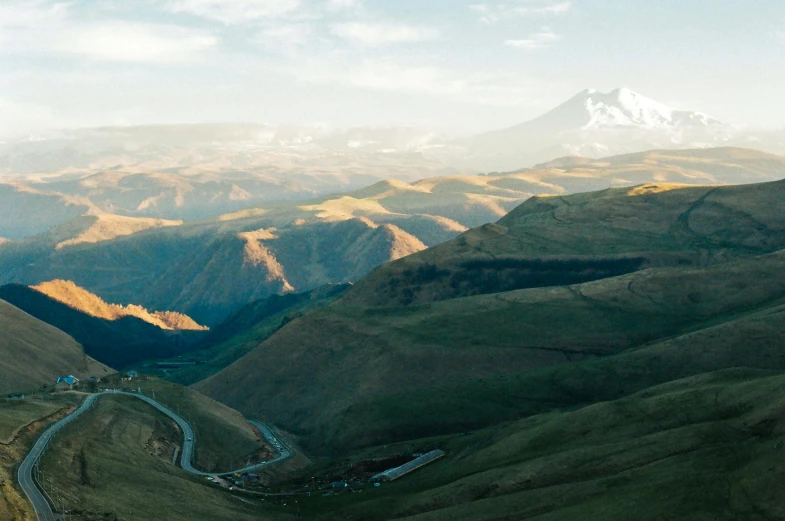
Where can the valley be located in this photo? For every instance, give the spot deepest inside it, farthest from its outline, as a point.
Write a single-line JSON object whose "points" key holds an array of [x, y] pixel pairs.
{"points": [[208, 269], [104, 479], [576, 356], [706, 447], [353, 260], [573, 353]]}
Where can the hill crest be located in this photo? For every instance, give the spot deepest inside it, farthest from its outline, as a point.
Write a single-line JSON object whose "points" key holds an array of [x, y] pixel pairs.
{"points": [[68, 293], [33, 353], [100, 227]]}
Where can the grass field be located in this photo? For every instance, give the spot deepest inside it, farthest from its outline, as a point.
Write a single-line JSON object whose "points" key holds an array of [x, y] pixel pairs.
{"points": [[709, 447], [224, 439], [322, 375], [252, 325], [668, 225], [34, 354], [752, 340], [115, 462], [15, 414], [19, 421]]}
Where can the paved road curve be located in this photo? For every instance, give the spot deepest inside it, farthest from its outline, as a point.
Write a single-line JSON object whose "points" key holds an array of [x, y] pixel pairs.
{"points": [[43, 509], [283, 451]]}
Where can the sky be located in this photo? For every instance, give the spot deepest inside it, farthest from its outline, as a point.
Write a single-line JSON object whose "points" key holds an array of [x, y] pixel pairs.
{"points": [[459, 66]]}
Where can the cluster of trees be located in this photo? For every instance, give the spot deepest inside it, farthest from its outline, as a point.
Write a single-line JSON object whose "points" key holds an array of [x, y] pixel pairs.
{"points": [[507, 274], [482, 276]]}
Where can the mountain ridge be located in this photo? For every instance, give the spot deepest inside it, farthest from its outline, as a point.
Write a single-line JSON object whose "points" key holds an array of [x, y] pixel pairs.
{"points": [[34, 353], [68, 293], [116, 343], [631, 266], [208, 269], [596, 124]]}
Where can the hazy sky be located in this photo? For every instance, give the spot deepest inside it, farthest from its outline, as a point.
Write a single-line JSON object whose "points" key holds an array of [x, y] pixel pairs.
{"points": [[460, 65]]}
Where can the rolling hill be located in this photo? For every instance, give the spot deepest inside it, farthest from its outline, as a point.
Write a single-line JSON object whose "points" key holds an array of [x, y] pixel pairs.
{"points": [[68, 293], [209, 269], [122, 447], [115, 342], [193, 171], [35, 353], [662, 224], [125, 451], [706, 447], [711, 256], [243, 331]]}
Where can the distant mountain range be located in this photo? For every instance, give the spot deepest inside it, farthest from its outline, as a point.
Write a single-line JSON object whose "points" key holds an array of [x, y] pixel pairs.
{"points": [[193, 171], [566, 301], [173, 171], [210, 268]]}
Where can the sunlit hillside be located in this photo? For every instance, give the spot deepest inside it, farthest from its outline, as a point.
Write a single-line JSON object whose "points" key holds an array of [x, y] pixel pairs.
{"points": [[210, 268], [78, 298], [33, 353], [560, 280]]}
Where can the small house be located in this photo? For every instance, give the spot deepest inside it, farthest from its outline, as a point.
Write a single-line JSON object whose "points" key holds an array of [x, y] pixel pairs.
{"points": [[66, 383]]}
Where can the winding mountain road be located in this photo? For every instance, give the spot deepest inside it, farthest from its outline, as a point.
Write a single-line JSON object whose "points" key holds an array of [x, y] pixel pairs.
{"points": [[41, 505]]}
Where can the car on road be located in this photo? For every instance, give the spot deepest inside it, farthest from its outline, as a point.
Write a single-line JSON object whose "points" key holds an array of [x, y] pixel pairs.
{"points": [[189, 439]]}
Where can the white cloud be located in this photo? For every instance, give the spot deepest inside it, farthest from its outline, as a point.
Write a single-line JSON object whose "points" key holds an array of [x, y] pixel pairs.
{"points": [[535, 41], [285, 37], [233, 12], [491, 13], [373, 34], [469, 86], [338, 5], [131, 42], [50, 28], [15, 15]]}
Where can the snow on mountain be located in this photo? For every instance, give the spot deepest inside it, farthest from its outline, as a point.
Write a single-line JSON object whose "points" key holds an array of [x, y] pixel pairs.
{"points": [[623, 107], [591, 124], [596, 124]]}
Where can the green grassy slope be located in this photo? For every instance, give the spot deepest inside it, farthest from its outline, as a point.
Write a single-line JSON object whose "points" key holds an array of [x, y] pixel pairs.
{"points": [[115, 462], [752, 340], [317, 368], [208, 271], [709, 447], [225, 439], [666, 225], [117, 343], [33, 353], [250, 326], [16, 413]]}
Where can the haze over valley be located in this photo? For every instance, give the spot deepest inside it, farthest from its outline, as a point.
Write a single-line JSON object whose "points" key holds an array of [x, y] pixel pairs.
{"points": [[347, 259]]}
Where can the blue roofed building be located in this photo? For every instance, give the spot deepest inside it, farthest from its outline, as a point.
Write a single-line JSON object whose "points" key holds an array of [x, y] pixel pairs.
{"points": [[66, 383]]}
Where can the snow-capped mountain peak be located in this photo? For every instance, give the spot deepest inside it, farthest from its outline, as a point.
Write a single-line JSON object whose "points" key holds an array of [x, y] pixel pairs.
{"points": [[596, 124], [626, 108]]}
